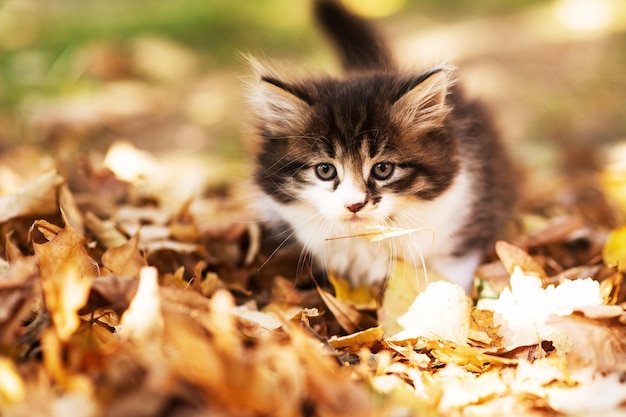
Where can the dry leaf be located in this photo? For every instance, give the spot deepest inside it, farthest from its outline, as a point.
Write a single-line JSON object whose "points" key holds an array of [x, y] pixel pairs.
{"points": [[347, 316], [378, 233], [18, 289], [614, 252], [70, 210], [104, 231], [356, 341], [36, 198], [512, 256], [66, 275], [361, 296], [124, 260]]}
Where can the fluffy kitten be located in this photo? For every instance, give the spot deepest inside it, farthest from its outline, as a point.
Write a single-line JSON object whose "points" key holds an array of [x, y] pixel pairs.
{"points": [[380, 147]]}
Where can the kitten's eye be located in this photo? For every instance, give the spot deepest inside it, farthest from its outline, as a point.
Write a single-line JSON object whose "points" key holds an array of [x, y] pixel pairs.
{"points": [[382, 170], [325, 172]]}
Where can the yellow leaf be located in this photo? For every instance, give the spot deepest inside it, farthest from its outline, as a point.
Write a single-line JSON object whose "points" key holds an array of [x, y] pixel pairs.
{"points": [[355, 341], [466, 356], [613, 178], [360, 296], [614, 252]]}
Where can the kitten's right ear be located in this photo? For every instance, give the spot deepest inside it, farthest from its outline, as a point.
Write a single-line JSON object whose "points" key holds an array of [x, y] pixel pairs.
{"points": [[281, 106]]}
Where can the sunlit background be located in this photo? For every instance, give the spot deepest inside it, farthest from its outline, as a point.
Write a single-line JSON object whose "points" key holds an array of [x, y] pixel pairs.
{"points": [[167, 77]]}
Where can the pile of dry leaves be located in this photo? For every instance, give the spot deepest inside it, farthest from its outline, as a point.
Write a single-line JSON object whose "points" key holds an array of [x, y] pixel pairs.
{"points": [[120, 295]]}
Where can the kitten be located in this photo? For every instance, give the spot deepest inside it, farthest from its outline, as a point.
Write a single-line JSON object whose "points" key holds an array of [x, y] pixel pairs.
{"points": [[380, 147]]}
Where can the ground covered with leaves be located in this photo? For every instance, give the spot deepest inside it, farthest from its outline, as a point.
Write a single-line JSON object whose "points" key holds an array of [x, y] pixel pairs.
{"points": [[135, 279]]}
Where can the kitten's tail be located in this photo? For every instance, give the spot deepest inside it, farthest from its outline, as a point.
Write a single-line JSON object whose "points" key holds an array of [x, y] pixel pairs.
{"points": [[359, 46]]}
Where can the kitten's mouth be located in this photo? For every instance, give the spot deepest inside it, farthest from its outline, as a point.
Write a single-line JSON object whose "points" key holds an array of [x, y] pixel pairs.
{"points": [[355, 218]]}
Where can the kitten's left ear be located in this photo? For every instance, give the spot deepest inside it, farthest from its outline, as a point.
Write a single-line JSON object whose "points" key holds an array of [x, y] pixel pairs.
{"points": [[424, 106]]}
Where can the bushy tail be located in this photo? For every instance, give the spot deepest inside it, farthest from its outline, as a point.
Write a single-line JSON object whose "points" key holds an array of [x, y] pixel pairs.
{"points": [[359, 46]]}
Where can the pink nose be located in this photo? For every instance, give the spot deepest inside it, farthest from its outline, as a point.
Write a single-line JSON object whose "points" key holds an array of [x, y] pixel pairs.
{"points": [[355, 207]]}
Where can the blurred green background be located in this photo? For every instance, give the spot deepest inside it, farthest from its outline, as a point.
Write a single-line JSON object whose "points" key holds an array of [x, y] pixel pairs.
{"points": [[76, 75]]}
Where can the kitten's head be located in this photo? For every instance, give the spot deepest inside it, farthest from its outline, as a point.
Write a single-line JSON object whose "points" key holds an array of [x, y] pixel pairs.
{"points": [[353, 150]]}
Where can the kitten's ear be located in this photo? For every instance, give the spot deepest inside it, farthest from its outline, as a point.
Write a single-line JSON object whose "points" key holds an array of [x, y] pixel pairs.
{"points": [[280, 103], [424, 106], [280, 106]]}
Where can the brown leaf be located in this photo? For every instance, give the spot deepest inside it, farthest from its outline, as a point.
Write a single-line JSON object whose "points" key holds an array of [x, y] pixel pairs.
{"points": [[111, 293], [71, 213], [13, 253], [557, 230], [512, 256], [36, 198], [347, 316], [105, 231], [18, 290], [124, 260], [66, 274]]}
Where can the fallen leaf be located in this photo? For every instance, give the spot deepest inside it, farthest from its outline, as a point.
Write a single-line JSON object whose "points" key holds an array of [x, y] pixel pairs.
{"points": [[70, 210], [465, 356], [18, 289], [512, 256], [105, 231], [124, 260], [556, 230], [356, 341], [614, 252], [348, 317], [66, 274], [36, 198], [360, 296]]}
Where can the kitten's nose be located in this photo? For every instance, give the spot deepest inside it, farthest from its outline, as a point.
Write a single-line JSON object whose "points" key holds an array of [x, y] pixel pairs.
{"points": [[355, 207]]}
